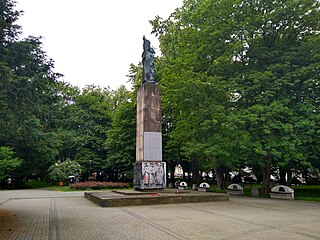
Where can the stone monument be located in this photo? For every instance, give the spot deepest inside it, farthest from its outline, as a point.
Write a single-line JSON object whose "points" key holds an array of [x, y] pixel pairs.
{"points": [[149, 170]]}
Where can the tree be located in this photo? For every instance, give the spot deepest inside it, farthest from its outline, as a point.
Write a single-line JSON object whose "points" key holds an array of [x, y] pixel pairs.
{"points": [[276, 83], [121, 142], [61, 171], [8, 30], [251, 49], [92, 109], [27, 92], [196, 98], [8, 163]]}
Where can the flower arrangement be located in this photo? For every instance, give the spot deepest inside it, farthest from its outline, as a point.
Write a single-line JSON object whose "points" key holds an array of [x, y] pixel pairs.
{"points": [[98, 185]]}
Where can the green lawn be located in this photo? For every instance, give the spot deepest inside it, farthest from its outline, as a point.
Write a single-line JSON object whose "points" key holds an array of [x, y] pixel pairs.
{"points": [[65, 188], [306, 192], [31, 184], [36, 184]]}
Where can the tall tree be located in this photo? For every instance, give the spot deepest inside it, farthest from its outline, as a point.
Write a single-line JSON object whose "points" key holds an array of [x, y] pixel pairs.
{"points": [[92, 109], [250, 49], [195, 93], [121, 138], [278, 80], [27, 90]]}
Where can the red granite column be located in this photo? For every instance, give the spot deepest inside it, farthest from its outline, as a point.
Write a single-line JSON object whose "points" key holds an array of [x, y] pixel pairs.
{"points": [[149, 170]]}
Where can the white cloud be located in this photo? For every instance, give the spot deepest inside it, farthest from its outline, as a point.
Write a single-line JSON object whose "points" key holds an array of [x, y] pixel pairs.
{"points": [[93, 42]]}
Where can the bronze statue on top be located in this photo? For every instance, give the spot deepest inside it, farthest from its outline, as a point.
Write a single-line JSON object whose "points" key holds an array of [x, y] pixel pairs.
{"points": [[147, 62]]}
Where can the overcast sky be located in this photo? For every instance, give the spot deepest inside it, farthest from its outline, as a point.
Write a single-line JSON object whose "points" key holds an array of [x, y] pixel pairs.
{"points": [[93, 42]]}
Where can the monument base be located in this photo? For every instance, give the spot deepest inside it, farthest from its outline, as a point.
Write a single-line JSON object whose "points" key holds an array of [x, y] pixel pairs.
{"points": [[168, 196], [149, 175]]}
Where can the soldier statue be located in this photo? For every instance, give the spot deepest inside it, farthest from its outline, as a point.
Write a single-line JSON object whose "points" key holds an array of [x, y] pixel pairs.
{"points": [[147, 62]]}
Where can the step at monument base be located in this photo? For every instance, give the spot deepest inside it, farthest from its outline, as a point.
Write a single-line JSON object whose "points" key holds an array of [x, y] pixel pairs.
{"points": [[167, 196]]}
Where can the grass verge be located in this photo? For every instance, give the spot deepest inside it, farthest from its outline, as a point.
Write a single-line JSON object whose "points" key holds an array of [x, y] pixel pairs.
{"points": [[307, 193], [304, 192]]}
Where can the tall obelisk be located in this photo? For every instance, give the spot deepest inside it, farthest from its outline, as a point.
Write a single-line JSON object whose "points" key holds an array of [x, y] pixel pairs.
{"points": [[149, 170]]}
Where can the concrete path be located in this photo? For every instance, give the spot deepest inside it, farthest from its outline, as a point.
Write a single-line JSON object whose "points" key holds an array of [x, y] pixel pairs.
{"points": [[68, 215], [21, 194]]}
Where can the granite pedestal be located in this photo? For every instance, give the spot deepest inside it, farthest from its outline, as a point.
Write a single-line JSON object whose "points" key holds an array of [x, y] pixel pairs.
{"points": [[149, 170]]}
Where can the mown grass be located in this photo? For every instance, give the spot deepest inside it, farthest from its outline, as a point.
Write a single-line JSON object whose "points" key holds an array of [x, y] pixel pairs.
{"points": [[307, 193], [66, 188], [31, 184], [304, 192]]}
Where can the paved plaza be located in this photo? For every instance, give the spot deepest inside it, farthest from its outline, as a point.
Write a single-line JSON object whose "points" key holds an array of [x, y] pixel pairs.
{"points": [[43, 214]]}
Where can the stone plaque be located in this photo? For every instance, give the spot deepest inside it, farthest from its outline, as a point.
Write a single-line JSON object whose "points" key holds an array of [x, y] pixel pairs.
{"points": [[149, 175]]}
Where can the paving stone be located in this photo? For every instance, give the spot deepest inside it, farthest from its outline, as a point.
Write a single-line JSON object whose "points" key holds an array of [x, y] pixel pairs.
{"points": [[54, 215]]}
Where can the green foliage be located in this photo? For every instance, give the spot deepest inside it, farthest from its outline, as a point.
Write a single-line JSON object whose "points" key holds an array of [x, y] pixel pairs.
{"points": [[33, 184], [27, 92], [8, 30], [98, 185], [61, 171], [92, 119], [120, 142], [41, 118], [240, 81], [307, 193], [8, 163]]}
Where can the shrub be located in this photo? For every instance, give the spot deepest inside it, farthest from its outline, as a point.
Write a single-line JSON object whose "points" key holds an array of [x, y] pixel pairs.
{"points": [[61, 171], [98, 185], [8, 163]]}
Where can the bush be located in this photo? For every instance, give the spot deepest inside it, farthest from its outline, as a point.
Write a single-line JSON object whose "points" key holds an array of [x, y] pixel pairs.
{"points": [[62, 171], [98, 185], [8, 163]]}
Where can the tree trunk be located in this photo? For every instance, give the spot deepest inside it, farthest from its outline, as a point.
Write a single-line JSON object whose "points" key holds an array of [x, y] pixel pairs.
{"points": [[172, 170], [207, 176], [183, 175], [221, 184], [195, 172], [122, 177], [266, 172], [116, 176], [282, 176], [289, 176], [305, 175]]}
